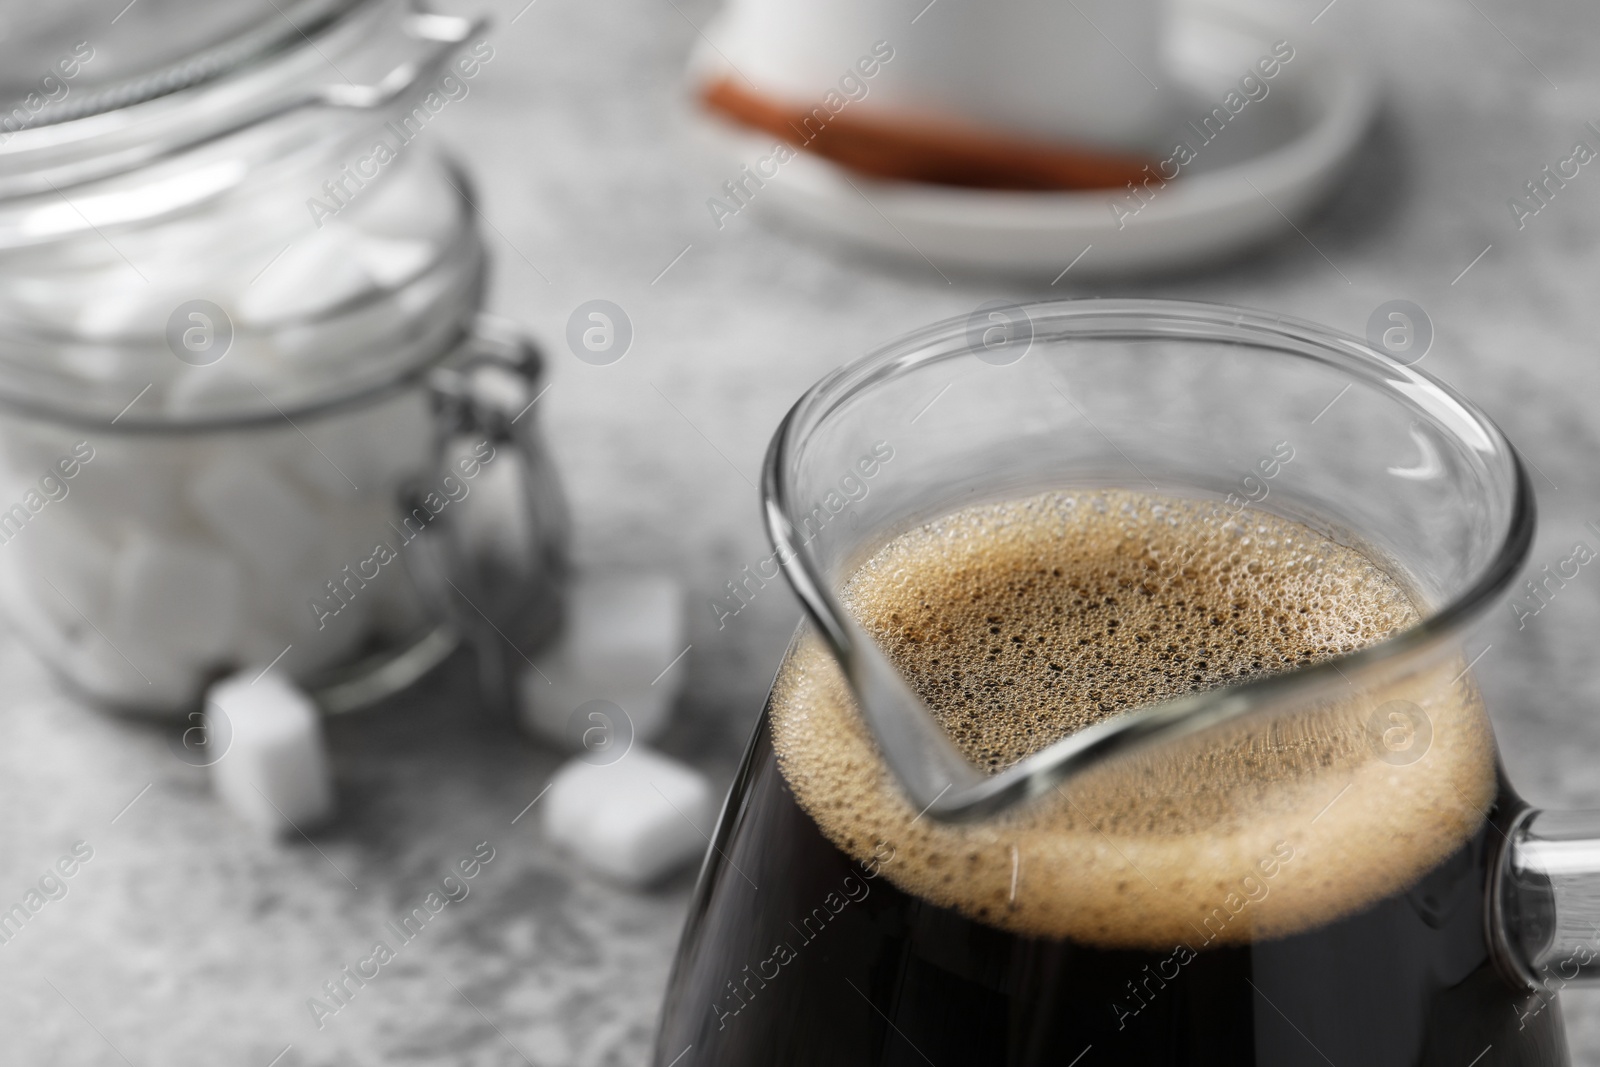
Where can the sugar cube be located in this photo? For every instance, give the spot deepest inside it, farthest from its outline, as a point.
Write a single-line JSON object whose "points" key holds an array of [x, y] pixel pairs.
{"points": [[622, 642], [67, 550], [256, 512], [548, 696], [368, 451], [136, 482], [626, 629], [274, 771], [206, 390], [313, 273], [173, 600], [391, 262], [151, 684], [634, 819]]}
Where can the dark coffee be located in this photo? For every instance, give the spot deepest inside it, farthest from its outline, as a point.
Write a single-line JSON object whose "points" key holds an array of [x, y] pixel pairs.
{"points": [[1309, 892], [825, 966]]}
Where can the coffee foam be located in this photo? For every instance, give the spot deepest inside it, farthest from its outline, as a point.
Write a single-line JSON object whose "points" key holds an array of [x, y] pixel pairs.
{"points": [[1019, 623]]}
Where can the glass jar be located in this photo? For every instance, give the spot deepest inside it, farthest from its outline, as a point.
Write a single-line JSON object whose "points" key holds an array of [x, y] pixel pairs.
{"points": [[249, 413]]}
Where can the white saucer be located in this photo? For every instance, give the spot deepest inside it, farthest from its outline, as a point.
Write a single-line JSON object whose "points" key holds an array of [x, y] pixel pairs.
{"points": [[1257, 179]]}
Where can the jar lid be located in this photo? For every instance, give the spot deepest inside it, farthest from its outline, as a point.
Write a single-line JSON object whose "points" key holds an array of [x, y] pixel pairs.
{"points": [[124, 109], [243, 233], [60, 61]]}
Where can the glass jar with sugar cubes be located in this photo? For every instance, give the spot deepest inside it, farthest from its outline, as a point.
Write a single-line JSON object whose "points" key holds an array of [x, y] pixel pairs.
{"points": [[250, 415]]}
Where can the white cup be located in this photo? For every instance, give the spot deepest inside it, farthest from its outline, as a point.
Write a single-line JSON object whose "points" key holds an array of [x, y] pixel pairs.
{"points": [[1073, 72]]}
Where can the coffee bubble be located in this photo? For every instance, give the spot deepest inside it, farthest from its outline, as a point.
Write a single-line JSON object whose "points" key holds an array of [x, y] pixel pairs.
{"points": [[1021, 622], [1400, 732]]}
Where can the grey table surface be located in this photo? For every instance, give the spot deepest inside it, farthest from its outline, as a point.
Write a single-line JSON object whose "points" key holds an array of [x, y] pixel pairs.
{"points": [[186, 941]]}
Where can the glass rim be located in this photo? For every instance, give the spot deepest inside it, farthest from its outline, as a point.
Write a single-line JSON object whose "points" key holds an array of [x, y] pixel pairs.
{"points": [[255, 43], [1155, 319], [126, 129]]}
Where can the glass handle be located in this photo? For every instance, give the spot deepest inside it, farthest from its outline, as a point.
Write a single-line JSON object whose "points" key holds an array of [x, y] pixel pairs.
{"points": [[443, 34], [1546, 906], [495, 557]]}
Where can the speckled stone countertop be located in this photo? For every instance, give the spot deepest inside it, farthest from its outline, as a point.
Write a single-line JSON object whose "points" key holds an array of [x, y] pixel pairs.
{"points": [[184, 941]]}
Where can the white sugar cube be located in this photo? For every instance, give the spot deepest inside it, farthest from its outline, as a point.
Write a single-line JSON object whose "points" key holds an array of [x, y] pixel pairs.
{"points": [[172, 601], [633, 820], [136, 482], [367, 451], [132, 679], [626, 630], [274, 771], [256, 512], [313, 273], [299, 604], [116, 311], [69, 552], [550, 695], [208, 389], [391, 262], [622, 642], [404, 203], [47, 629]]}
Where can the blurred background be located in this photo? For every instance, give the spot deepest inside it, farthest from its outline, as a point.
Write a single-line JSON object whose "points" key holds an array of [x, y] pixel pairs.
{"points": [[186, 939]]}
